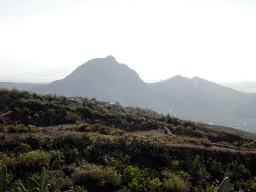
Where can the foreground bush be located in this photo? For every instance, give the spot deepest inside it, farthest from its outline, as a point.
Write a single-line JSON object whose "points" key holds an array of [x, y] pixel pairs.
{"points": [[32, 158], [93, 176]]}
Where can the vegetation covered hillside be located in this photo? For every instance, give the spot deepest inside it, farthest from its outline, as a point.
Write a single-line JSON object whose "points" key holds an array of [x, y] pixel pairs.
{"points": [[95, 148]]}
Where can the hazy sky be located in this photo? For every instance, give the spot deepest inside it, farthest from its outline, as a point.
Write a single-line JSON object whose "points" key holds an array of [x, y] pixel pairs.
{"points": [[212, 39]]}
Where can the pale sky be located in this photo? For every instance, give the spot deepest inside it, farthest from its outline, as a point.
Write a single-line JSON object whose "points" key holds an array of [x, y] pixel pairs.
{"points": [[212, 39]]}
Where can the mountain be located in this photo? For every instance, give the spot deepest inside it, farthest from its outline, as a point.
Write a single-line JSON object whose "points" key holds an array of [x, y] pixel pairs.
{"points": [[210, 102], [106, 80], [95, 78], [189, 98]]}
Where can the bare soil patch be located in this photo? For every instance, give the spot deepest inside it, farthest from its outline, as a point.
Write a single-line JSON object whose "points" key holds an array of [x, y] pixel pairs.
{"points": [[154, 132], [51, 130]]}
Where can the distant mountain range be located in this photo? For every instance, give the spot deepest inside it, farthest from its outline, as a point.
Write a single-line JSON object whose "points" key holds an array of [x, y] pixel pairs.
{"points": [[244, 86], [53, 72], [188, 98], [19, 86], [45, 76]]}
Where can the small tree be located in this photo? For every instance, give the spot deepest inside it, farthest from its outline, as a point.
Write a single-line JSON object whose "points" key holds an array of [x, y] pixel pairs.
{"points": [[93, 99]]}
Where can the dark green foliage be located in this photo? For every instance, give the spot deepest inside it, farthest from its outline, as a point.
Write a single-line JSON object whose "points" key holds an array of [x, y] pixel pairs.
{"points": [[34, 143], [49, 109], [197, 170], [124, 162], [86, 112], [145, 160], [171, 120], [25, 147]]}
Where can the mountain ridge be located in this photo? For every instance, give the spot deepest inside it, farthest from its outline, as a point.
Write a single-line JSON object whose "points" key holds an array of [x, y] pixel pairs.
{"points": [[190, 98]]}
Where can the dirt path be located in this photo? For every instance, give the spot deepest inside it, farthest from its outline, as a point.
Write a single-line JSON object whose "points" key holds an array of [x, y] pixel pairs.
{"points": [[154, 132]]}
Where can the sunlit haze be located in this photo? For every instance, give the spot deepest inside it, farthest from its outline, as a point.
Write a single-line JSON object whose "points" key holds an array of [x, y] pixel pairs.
{"points": [[212, 39]]}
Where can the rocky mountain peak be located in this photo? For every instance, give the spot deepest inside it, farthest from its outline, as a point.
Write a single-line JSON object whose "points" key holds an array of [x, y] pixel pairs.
{"points": [[111, 58]]}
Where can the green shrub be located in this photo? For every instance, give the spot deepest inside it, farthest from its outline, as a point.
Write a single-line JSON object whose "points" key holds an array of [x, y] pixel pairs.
{"points": [[121, 117], [184, 175], [88, 175], [138, 184], [34, 143], [36, 115], [5, 160], [71, 155], [35, 158], [197, 170], [57, 159], [82, 128], [12, 129], [31, 128], [155, 185], [17, 110], [216, 168], [123, 140], [253, 187], [139, 180], [111, 176], [22, 128], [117, 132], [88, 129], [69, 169], [175, 185], [44, 140], [17, 129], [188, 123], [199, 133], [25, 147], [32, 158], [104, 130], [96, 126], [166, 174], [146, 184], [80, 188]]}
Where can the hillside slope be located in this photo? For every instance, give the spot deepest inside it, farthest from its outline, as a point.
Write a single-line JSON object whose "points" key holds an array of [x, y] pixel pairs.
{"points": [[99, 148]]}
